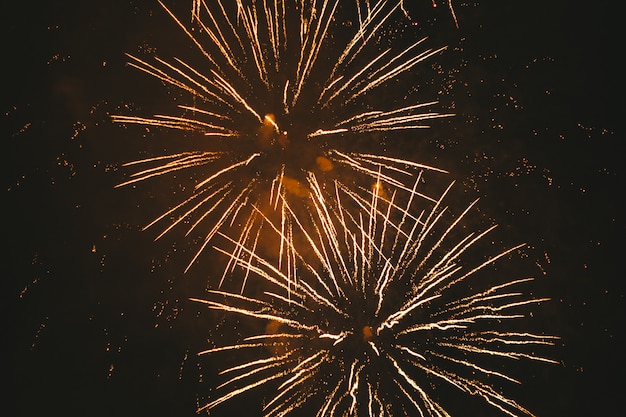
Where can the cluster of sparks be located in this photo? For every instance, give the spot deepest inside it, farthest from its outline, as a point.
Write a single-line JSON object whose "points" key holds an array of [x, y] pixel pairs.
{"points": [[372, 307], [267, 122], [368, 305]]}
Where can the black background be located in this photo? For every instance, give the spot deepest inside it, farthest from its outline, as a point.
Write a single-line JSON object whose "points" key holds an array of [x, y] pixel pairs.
{"points": [[96, 317]]}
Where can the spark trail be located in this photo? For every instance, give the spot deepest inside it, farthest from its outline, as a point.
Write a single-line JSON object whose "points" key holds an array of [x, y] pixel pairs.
{"points": [[384, 307], [280, 90]]}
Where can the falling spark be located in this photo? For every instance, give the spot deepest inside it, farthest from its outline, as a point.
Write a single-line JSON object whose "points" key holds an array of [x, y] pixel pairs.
{"points": [[382, 310], [276, 98]]}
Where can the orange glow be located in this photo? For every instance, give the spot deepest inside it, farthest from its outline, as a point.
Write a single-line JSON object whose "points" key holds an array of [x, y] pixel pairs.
{"points": [[368, 334], [283, 140], [272, 327], [276, 349], [324, 163], [267, 131], [294, 187], [378, 188], [270, 120]]}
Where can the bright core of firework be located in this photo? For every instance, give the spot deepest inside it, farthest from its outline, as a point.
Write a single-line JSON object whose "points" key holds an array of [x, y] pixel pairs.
{"points": [[284, 91], [384, 306]]}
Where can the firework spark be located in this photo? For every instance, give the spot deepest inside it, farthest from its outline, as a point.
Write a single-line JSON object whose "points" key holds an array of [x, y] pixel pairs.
{"points": [[285, 90], [383, 308]]}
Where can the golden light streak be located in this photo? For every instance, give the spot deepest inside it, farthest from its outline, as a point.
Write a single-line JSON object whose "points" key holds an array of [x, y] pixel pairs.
{"points": [[311, 49], [367, 27], [456, 22], [181, 161], [233, 207], [179, 123]]}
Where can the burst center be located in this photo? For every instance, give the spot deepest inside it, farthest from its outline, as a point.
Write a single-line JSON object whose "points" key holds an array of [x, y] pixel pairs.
{"points": [[368, 333]]}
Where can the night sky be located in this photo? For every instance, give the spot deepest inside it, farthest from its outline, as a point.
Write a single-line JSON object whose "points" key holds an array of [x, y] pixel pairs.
{"points": [[97, 314]]}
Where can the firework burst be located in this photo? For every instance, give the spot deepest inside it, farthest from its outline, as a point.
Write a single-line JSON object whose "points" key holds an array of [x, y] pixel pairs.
{"points": [[387, 305], [285, 90]]}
